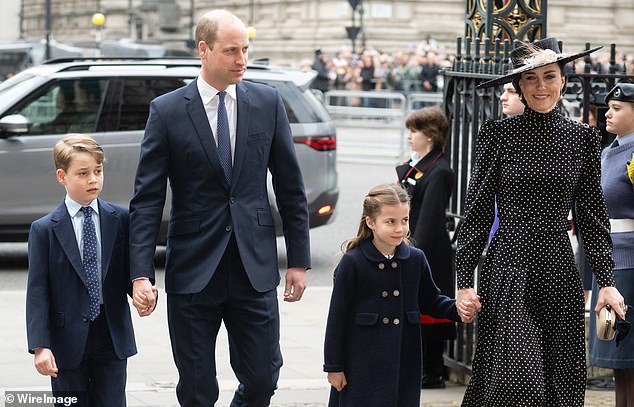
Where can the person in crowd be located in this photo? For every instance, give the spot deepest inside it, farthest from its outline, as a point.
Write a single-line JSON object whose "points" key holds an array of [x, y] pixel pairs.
{"points": [[372, 348], [381, 64], [322, 80], [396, 71], [429, 180], [77, 314], [367, 72], [429, 72], [617, 173], [353, 81], [367, 77], [531, 339], [215, 140], [411, 73]]}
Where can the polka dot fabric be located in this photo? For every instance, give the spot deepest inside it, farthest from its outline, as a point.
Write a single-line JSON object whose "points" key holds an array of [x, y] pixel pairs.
{"points": [[90, 262], [530, 347]]}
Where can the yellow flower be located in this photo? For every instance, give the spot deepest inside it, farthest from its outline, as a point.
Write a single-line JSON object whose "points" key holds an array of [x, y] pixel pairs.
{"points": [[630, 170]]}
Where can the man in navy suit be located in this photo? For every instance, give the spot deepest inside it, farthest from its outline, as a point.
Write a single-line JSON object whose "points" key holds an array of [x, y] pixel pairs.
{"points": [[214, 140], [78, 318]]}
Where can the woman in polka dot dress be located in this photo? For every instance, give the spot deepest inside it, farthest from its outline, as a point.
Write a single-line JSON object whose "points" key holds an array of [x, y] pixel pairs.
{"points": [[530, 347]]}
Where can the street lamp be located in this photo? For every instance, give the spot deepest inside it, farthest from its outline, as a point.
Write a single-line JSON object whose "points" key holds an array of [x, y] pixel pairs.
{"points": [[47, 29], [98, 19], [251, 35]]}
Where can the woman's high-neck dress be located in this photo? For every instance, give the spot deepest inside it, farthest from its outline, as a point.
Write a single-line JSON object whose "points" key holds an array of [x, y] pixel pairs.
{"points": [[531, 344]]}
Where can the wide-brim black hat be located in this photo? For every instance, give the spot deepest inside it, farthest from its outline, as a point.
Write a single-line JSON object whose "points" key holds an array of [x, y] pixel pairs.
{"points": [[529, 56]]}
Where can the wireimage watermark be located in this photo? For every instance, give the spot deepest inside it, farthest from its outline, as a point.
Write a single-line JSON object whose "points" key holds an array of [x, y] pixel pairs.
{"points": [[41, 398]]}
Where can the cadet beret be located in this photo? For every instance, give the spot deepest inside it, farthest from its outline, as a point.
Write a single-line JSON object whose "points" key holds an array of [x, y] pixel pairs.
{"points": [[623, 92]]}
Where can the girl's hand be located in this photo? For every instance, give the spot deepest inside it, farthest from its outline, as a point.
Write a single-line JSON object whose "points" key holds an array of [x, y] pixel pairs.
{"points": [[337, 380], [468, 304]]}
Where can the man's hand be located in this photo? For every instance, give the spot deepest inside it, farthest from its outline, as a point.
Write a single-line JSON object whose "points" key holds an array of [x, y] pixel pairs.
{"points": [[337, 380], [295, 284], [143, 297], [45, 362]]}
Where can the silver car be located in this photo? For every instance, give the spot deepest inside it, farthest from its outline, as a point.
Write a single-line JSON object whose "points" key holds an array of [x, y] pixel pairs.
{"points": [[109, 100]]}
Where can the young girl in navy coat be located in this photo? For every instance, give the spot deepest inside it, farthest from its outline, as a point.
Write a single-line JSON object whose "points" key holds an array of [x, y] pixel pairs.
{"points": [[372, 348]]}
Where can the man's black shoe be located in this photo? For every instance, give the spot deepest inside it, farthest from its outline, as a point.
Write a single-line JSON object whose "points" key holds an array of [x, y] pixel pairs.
{"points": [[433, 382]]}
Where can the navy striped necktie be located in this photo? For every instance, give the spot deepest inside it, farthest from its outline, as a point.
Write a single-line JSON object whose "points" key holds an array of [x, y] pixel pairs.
{"points": [[224, 139]]}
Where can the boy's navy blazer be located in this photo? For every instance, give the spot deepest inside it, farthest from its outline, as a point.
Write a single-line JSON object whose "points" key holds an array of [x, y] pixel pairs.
{"points": [[57, 298], [179, 146]]}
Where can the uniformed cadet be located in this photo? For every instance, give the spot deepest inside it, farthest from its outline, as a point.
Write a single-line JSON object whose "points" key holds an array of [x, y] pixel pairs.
{"points": [[617, 173]]}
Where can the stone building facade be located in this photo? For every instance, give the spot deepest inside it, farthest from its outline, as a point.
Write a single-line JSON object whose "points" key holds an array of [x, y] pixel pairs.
{"points": [[288, 30]]}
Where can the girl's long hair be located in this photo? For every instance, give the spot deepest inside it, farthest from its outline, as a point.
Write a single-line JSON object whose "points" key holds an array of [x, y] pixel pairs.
{"points": [[378, 197]]}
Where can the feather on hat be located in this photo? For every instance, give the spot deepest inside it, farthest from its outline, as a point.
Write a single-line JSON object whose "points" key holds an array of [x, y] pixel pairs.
{"points": [[529, 56]]}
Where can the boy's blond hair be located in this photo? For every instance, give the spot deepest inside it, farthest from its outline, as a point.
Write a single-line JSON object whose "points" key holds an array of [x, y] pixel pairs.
{"points": [[76, 143]]}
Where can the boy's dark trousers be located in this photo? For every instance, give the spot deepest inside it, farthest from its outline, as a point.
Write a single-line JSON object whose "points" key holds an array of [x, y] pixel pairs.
{"points": [[100, 378]]}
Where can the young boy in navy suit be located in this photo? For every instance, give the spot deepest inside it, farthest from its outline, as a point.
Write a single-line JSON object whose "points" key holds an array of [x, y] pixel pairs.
{"points": [[78, 318]]}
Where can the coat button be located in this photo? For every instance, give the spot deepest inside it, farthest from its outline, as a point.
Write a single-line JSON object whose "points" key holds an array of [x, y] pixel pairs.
{"points": [[396, 293], [384, 294], [397, 321], [394, 264], [84, 318], [381, 266], [228, 228], [386, 321]]}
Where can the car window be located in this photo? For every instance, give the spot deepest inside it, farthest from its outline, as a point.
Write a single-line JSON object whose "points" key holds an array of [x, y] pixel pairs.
{"points": [[65, 106], [136, 95], [301, 107]]}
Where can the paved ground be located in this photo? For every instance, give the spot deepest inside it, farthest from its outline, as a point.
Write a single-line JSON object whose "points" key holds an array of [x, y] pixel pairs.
{"points": [[152, 375]]}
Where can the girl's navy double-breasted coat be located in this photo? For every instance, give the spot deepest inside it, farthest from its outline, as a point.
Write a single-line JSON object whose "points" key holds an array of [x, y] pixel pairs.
{"points": [[373, 333]]}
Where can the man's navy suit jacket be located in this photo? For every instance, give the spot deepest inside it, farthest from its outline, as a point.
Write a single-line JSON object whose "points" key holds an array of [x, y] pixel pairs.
{"points": [[179, 146], [57, 298]]}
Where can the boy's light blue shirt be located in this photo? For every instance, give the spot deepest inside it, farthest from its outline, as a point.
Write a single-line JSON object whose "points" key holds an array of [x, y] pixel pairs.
{"points": [[77, 218]]}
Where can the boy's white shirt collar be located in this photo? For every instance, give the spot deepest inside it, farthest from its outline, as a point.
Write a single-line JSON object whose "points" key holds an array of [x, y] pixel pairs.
{"points": [[74, 207], [414, 158]]}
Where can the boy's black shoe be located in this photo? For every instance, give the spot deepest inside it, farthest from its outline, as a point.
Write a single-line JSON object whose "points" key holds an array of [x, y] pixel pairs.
{"points": [[433, 382]]}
